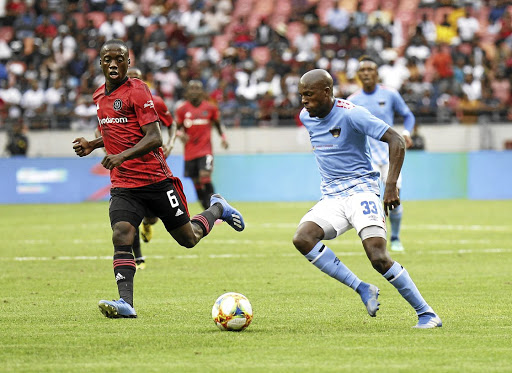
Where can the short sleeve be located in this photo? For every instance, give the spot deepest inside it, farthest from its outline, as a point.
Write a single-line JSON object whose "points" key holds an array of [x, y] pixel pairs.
{"points": [[366, 123], [144, 106]]}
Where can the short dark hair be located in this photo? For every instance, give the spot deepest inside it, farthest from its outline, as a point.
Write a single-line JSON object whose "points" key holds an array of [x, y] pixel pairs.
{"points": [[366, 57], [115, 42]]}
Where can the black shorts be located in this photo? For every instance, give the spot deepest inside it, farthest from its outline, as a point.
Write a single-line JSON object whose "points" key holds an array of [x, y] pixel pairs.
{"points": [[164, 199], [193, 166]]}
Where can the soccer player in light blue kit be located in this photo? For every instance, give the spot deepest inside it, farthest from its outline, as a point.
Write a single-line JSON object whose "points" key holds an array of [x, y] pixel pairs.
{"points": [[339, 132], [383, 102]]}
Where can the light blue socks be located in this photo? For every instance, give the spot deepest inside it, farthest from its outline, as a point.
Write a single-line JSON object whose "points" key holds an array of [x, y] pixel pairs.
{"points": [[395, 217], [400, 279], [324, 259]]}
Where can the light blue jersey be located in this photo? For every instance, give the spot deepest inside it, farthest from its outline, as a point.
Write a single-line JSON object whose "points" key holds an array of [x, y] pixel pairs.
{"points": [[340, 145], [383, 103]]}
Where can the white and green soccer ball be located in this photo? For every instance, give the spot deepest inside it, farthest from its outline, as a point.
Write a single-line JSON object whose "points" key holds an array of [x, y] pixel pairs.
{"points": [[232, 312]]}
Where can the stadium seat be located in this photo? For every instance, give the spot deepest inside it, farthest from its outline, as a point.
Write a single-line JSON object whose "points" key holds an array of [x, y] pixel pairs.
{"points": [[194, 53], [322, 9], [350, 5], [293, 29], [145, 6], [369, 5], [97, 17], [118, 16], [149, 30], [440, 12], [6, 33], [242, 8], [408, 5], [92, 53], [260, 55], [80, 20], [221, 42], [389, 4]]}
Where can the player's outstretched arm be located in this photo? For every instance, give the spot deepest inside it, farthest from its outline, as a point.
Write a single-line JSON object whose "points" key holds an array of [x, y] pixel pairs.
{"points": [[82, 147], [396, 159], [152, 139], [170, 140]]}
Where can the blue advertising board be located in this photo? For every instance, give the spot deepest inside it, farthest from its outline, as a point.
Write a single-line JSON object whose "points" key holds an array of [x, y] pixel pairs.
{"points": [[261, 177]]}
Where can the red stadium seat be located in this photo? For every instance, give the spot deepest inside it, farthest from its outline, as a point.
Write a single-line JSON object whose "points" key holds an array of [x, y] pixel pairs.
{"points": [[293, 29], [221, 42], [260, 55], [6, 33], [97, 17], [80, 20], [92, 53]]}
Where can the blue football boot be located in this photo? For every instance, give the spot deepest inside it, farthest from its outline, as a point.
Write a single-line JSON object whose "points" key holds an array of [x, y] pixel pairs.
{"points": [[369, 294], [229, 214], [115, 309], [428, 320]]}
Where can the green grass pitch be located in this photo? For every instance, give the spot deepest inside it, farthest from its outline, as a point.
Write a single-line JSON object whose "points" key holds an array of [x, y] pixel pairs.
{"points": [[56, 265]]}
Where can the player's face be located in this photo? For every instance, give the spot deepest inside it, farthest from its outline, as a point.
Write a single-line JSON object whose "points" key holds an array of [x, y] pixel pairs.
{"points": [[316, 99], [367, 73], [114, 63], [195, 92]]}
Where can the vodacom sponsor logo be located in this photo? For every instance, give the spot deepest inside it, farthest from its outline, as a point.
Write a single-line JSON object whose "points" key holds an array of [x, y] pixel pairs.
{"points": [[109, 120]]}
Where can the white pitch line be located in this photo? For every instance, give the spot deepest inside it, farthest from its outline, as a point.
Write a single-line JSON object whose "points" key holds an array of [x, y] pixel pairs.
{"points": [[237, 256]]}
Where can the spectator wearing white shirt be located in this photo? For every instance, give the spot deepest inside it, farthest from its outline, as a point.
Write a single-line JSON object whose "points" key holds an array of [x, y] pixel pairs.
{"points": [[168, 79], [307, 44], [112, 28], [338, 17], [467, 25], [471, 87], [66, 39], [11, 96], [85, 114], [191, 18], [33, 103], [53, 94], [428, 28]]}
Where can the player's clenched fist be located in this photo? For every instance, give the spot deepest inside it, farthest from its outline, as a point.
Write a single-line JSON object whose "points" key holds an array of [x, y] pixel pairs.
{"points": [[82, 147]]}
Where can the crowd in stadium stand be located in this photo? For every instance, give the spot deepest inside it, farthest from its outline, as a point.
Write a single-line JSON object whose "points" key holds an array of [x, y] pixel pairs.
{"points": [[451, 60]]}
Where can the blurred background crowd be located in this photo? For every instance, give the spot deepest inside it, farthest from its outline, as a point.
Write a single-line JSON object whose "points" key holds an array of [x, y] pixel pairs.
{"points": [[451, 60]]}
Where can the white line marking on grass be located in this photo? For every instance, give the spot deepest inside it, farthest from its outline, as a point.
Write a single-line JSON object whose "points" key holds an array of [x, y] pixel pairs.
{"points": [[426, 227], [237, 256], [451, 227]]}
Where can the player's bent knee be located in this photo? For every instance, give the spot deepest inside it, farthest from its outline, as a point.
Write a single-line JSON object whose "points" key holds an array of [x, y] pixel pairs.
{"points": [[304, 243], [122, 233]]}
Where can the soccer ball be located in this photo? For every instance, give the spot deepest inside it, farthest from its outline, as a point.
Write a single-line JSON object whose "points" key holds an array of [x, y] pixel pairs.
{"points": [[232, 311]]}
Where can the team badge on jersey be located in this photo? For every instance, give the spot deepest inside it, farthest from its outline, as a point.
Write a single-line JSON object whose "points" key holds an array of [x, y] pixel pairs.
{"points": [[118, 104], [335, 132], [382, 103]]}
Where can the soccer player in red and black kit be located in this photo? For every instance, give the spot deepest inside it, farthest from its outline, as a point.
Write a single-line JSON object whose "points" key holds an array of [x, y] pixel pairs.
{"points": [[195, 119], [141, 179], [146, 230]]}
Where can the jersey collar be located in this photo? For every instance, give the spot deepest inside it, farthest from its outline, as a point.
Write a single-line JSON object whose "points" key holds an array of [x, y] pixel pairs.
{"points": [[107, 93]]}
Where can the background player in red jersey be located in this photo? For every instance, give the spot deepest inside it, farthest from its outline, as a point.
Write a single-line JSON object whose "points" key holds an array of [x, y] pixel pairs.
{"points": [[141, 179], [146, 230], [195, 119]]}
